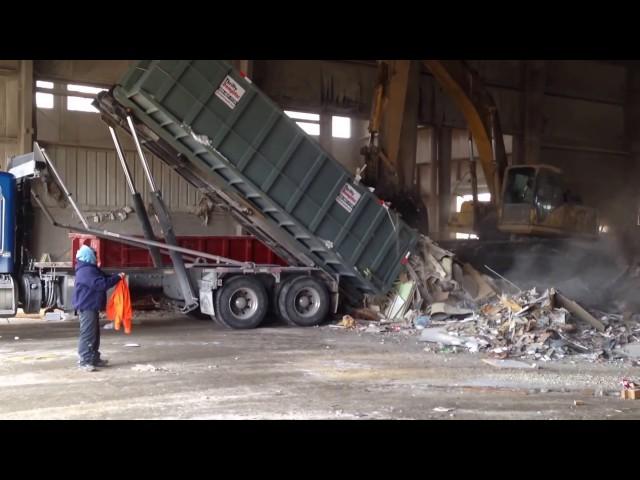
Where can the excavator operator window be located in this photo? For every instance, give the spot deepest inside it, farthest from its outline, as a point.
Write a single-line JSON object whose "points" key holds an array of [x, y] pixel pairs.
{"points": [[520, 185], [550, 193]]}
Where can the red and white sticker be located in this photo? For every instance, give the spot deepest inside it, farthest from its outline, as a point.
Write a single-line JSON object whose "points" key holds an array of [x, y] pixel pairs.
{"points": [[230, 92], [348, 197]]}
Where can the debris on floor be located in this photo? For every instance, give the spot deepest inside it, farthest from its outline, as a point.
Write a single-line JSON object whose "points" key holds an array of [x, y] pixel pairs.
{"points": [[147, 368], [630, 390], [443, 409], [347, 322], [632, 349], [54, 316], [422, 321], [453, 305], [494, 362], [132, 345]]}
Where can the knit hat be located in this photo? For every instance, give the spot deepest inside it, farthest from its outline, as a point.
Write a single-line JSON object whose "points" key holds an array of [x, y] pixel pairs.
{"points": [[86, 254]]}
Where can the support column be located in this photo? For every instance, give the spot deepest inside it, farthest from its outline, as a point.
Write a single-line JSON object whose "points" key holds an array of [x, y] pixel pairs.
{"points": [[409, 137], [245, 66], [25, 138], [534, 80], [16, 108], [434, 205], [517, 152], [445, 199], [325, 131], [631, 223], [632, 114]]}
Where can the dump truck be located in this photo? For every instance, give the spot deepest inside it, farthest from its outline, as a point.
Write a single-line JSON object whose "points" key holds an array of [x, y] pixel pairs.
{"points": [[225, 137]]}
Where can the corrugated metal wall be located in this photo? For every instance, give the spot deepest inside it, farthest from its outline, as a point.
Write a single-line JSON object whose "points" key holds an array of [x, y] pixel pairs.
{"points": [[95, 178], [9, 111]]}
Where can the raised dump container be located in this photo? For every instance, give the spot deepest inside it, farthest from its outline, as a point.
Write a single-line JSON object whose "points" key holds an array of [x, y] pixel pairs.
{"points": [[289, 190]]}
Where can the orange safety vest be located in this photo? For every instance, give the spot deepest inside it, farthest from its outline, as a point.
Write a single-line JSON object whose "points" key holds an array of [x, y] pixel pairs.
{"points": [[119, 307]]}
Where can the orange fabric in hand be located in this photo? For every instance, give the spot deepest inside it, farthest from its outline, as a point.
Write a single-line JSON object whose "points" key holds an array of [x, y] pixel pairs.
{"points": [[119, 307]]}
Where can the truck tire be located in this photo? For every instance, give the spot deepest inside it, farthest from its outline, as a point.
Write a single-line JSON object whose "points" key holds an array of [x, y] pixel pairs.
{"points": [[31, 293], [241, 303], [304, 302], [277, 291], [219, 321]]}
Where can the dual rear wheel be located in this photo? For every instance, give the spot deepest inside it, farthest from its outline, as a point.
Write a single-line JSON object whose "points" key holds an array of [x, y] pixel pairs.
{"points": [[242, 302]]}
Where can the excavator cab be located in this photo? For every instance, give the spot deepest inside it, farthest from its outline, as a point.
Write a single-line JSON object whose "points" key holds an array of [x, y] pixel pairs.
{"points": [[536, 202]]}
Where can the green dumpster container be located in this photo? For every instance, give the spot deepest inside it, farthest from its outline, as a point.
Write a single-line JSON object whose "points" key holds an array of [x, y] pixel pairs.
{"points": [[222, 124]]}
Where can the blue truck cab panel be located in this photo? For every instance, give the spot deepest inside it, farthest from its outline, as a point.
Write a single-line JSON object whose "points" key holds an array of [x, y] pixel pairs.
{"points": [[7, 222]]}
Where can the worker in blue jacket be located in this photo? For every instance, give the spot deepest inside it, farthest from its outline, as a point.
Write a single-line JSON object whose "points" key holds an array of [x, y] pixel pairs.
{"points": [[89, 297]]}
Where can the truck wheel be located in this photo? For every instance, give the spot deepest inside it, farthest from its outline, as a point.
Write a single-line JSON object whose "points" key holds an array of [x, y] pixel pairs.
{"points": [[241, 303], [219, 321], [304, 302], [31, 293], [277, 292]]}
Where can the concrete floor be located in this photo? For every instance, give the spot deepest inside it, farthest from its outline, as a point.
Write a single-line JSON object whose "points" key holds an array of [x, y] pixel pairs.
{"points": [[190, 369]]}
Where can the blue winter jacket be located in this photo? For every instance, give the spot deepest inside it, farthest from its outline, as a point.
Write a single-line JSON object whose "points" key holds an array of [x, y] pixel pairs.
{"points": [[90, 292]]}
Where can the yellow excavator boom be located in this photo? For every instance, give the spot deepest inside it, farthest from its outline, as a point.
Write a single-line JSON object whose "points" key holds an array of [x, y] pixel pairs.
{"points": [[469, 93]]}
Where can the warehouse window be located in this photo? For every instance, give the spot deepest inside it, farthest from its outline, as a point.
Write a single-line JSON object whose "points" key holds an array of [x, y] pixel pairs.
{"points": [[82, 104], [460, 199], [44, 100], [310, 123], [340, 127]]}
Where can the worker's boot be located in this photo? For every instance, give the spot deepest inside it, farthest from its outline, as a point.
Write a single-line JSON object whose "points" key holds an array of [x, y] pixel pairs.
{"points": [[103, 362], [87, 368]]}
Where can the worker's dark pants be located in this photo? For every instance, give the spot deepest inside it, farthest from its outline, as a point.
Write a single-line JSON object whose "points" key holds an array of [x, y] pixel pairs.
{"points": [[89, 344]]}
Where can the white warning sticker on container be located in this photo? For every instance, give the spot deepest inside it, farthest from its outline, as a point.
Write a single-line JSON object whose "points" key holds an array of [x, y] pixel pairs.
{"points": [[348, 197], [230, 92]]}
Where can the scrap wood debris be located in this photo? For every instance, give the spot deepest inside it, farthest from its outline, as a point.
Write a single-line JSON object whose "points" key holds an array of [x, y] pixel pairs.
{"points": [[630, 390], [455, 306]]}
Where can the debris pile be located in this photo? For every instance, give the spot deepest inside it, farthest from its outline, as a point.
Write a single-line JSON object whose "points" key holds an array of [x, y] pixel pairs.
{"points": [[544, 327], [458, 308], [120, 214], [434, 281]]}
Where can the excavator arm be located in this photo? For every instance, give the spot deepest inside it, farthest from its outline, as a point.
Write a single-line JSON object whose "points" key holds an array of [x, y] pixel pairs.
{"points": [[471, 96], [467, 90]]}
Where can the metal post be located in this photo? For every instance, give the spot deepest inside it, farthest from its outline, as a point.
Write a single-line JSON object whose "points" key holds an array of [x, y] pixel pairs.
{"points": [[474, 184], [143, 160], [123, 162], [496, 174], [141, 211], [164, 219], [64, 188]]}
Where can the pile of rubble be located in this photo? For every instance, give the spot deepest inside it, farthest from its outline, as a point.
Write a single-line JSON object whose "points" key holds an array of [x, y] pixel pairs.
{"points": [[455, 307], [544, 327]]}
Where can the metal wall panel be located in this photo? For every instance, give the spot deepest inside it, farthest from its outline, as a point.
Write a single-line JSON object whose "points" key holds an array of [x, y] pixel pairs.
{"points": [[9, 117], [95, 178]]}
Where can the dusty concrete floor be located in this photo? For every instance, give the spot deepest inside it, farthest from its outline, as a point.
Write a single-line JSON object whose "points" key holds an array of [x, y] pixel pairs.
{"points": [[204, 372]]}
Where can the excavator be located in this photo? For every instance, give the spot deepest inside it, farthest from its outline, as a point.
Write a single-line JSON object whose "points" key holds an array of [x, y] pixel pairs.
{"points": [[526, 200]]}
